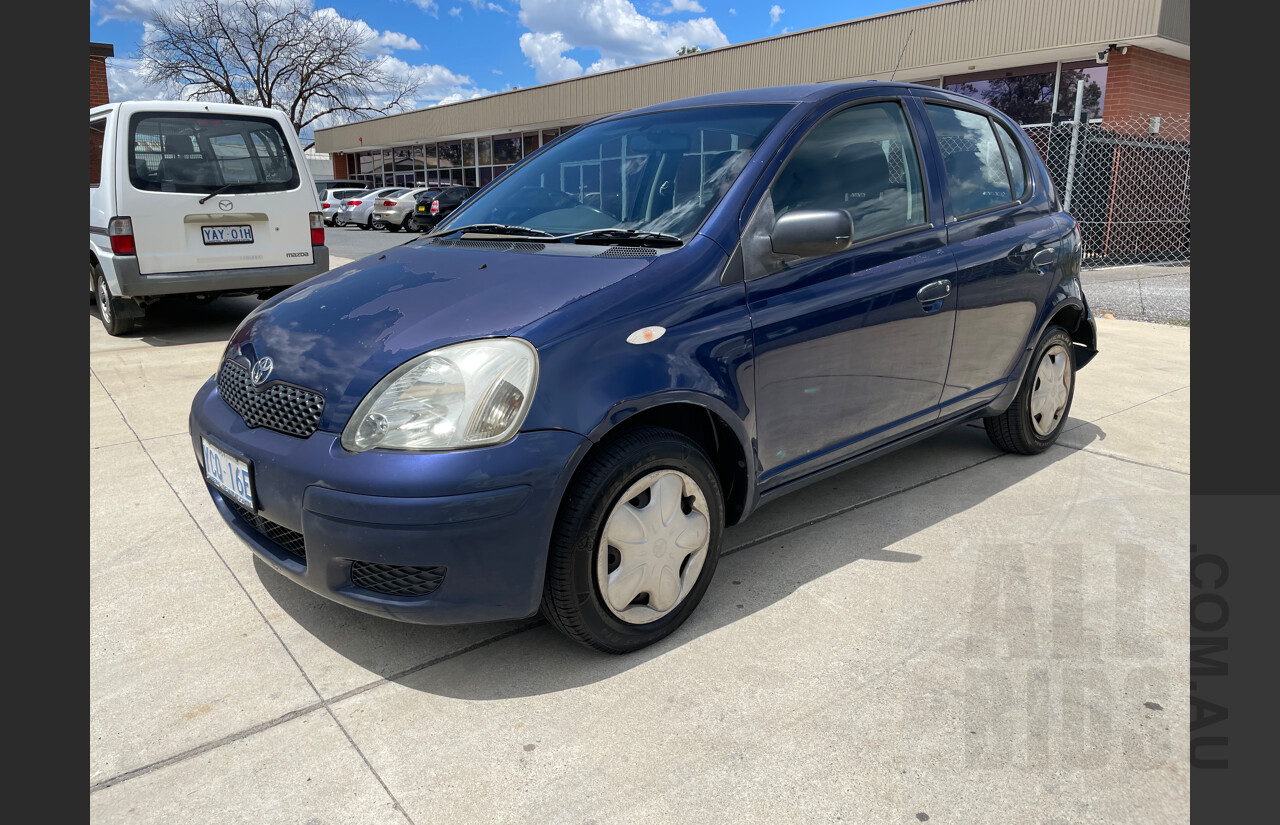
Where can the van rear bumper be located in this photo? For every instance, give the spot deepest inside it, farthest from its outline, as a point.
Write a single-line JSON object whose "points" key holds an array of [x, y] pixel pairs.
{"points": [[133, 284]]}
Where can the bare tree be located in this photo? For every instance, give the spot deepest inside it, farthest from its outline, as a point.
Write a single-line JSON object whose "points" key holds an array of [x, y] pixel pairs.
{"points": [[282, 54]]}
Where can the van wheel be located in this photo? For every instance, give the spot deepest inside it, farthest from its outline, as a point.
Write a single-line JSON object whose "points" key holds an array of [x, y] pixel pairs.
{"points": [[1039, 411], [636, 542], [110, 308]]}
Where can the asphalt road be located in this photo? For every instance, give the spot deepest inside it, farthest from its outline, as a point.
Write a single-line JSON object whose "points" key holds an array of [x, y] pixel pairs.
{"points": [[353, 243]]}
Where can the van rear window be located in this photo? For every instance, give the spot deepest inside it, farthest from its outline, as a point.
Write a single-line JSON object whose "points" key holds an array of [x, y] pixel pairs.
{"points": [[172, 152]]}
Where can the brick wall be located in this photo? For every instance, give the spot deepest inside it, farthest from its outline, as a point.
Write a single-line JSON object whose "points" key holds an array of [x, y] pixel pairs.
{"points": [[1143, 84], [98, 54]]}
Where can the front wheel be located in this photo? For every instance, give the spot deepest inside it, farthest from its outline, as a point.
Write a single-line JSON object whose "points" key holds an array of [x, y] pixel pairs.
{"points": [[636, 542], [1035, 419]]}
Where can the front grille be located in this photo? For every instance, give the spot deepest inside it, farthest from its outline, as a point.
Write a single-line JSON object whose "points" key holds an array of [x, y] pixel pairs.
{"points": [[287, 539], [277, 406], [396, 581]]}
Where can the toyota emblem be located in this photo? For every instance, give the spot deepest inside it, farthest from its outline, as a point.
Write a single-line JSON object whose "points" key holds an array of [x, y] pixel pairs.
{"points": [[225, 205], [261, 371]]}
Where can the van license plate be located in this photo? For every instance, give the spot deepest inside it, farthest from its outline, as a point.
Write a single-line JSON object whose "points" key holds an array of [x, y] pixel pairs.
{"points": [[228, 474], [227, 234]]}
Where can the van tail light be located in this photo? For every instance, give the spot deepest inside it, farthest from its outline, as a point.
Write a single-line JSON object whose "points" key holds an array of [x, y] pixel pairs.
{"points": [[388, 203], [324, 206], [120, 230], [435, 207], [317, 229]]}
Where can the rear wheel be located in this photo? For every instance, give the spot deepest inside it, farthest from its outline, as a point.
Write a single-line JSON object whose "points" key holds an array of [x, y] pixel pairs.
{"points": [[636, 542], [378, 223], [411, 224], [367, 225], [110, 308], [1035, 419], [393, 227]]}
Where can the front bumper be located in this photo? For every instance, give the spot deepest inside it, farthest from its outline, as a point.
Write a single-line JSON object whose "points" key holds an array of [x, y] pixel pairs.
{"points": [[483, 515]]}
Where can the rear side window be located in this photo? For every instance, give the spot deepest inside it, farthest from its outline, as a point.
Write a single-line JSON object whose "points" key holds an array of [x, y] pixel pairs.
{"points": [[1013, 154], [977, 177], [97, 135], [177, 152]]}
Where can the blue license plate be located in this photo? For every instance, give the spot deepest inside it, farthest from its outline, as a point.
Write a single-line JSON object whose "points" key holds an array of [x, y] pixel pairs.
{"points": [[229, 474]]}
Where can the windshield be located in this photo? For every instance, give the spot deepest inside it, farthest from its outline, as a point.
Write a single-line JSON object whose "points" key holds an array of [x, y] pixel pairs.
{"points": [[660, 172]]}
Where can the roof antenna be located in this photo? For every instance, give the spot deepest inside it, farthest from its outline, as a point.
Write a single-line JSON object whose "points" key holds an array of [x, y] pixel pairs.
{"points": [[901, 53]]}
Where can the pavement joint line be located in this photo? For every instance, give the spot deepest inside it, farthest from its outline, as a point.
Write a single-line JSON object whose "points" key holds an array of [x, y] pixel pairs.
{"points": [[301, 670], [1126, 409], [1115, 457]]}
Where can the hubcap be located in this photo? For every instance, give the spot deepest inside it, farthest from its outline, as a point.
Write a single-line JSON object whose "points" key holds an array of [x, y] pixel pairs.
{"points": [[653, 547], [1051, 389], [104, 301]]}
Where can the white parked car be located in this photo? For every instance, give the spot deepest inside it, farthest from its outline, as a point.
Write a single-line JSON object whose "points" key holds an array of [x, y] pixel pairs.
{"points": [[199, 200]]}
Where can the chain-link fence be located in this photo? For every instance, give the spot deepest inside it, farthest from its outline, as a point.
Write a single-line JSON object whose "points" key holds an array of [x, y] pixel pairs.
{"points": [[1127, 183]]}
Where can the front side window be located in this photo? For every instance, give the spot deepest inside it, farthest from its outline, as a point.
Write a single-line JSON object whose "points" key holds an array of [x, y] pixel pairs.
{"points": [[977, 177], [174, 152], [862, 160], [657, 172]]}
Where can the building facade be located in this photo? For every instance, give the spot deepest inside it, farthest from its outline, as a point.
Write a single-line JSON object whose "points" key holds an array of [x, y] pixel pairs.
{"points": [[1130, 59]]}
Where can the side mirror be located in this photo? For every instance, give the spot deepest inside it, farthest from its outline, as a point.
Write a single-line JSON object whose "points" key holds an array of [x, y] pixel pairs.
{"points": [[812, 232]]}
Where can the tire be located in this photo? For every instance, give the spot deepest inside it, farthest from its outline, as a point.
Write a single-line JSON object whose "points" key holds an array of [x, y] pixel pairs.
{"points": [[110, 308], [393, 227], [1035, 419], [367, 225], [339, 222], [411, 224], [620, 596], [378, 224]]}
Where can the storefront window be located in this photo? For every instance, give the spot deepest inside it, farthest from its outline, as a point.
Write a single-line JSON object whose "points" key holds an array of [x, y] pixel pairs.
{"points": [[469, 152], [506, 150], [486, 152], [530, 140], [1024, 93], [1094, 77], [450, 155]]}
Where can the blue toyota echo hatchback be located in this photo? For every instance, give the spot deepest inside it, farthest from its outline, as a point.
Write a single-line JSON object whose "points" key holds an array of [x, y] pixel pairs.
{"points": [[559, 398]]}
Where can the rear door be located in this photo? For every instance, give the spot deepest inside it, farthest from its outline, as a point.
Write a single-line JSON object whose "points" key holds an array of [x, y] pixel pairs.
{"points": [[209, 191], [1004, 239]]}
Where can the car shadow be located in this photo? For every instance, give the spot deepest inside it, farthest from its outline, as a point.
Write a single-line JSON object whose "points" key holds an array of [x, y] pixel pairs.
{"points": [[767, 555], [175, 322]]}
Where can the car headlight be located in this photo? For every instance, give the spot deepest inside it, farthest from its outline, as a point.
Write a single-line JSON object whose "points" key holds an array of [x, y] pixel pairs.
{"points": [[463, 395]]}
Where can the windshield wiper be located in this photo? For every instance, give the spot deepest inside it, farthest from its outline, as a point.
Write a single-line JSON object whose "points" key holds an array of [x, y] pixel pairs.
{"points": [[614, 235], [218, 191], [494, 229]]}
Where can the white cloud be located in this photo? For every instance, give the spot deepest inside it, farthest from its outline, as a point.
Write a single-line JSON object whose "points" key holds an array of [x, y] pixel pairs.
{"points": [[733, 11], [429, 6], [456, 11], [545, 52], [613, 28], [395, 41], [775, 13], [131, 11], [678, 5]]}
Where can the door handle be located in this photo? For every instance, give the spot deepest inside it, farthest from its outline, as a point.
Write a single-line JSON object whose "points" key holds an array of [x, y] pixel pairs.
{"points": [[1044, 258], [933, 292]]}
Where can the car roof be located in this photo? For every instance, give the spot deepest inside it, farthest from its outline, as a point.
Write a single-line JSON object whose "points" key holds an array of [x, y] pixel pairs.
{"points": [[772, 94]]}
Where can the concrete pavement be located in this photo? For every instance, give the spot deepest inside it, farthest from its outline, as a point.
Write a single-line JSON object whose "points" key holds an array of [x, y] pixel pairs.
{"points": [[948, 633]]}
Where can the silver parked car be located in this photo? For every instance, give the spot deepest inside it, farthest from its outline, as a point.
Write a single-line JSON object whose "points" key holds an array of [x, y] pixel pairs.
{"points": [[358, 210], [332, 199], [395, 212]]}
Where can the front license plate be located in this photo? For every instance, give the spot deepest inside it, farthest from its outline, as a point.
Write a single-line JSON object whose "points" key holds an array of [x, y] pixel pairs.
{"points": [[227, 234], [229, 474]]}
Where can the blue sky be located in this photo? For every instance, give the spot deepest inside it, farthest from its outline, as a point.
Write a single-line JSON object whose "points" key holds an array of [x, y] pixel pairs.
{"points": [[460, 49]]}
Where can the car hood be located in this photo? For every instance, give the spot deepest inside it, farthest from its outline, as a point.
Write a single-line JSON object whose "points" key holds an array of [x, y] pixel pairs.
{"points": [[339, 333]]}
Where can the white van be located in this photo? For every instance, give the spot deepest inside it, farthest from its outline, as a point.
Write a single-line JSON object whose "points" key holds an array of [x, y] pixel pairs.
{"points": [[196, 200]]}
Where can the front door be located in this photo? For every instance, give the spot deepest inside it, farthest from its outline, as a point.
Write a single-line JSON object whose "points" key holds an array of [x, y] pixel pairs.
{"points": [[851, 349]]}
